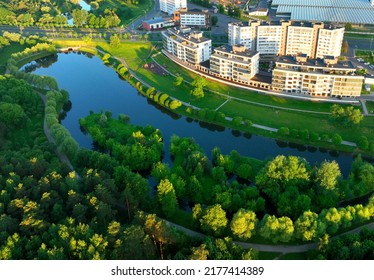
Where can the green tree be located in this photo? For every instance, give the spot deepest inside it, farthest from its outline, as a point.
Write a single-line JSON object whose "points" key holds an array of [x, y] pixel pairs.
{"points": [[214, 220], [243, 224], [198, 83], [346, 116], [277, 229], [336, 139], [115, 42], [308, 227], [166, 197], [214, 20], [363, 143], [327, 175], [178, 81]]}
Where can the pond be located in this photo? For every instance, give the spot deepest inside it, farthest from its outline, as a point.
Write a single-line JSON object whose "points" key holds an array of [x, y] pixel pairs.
{"points": [[93, 87]]}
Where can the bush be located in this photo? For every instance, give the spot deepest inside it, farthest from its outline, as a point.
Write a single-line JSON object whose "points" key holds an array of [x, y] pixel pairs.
{"points": [[336, 139], [284, 131], [363, 143]]}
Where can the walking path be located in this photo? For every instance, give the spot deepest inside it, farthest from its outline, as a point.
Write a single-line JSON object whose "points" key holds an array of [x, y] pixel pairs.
{"points": [[63, 158], [284, 249]]}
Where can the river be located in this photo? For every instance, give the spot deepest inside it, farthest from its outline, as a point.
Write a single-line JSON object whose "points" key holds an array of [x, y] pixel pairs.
{"points": [[94, 86]]}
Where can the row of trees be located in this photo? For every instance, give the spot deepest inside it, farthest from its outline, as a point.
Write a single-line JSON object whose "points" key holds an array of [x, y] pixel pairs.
{"points": [[310, 226]]}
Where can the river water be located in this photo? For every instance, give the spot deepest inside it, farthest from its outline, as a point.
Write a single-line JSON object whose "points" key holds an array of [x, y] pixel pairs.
{"points": [[94, 86]]}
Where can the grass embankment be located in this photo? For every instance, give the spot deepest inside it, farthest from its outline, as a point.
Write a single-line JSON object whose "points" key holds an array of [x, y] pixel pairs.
{"points": [[6, 52], [136, 54], [370, 106], [124, 14]]}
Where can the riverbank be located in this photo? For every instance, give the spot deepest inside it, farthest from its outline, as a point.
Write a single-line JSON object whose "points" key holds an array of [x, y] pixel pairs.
{"points": [[262, 110]]}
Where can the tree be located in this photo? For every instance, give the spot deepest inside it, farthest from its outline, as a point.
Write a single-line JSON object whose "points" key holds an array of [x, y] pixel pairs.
{"points": [[214, 20], [244, 171], [214, 220], [363, 143], [198, 83], [282, 172], [346, 116], [178, 81], [327, 175], [308, 227], [199, 253], [277, 229], [243, 224], [114, 41], [336, 139], [166, 197]]}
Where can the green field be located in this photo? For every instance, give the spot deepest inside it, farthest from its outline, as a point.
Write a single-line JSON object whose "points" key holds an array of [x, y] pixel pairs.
{"points": [[6, 52], [370, 106]]}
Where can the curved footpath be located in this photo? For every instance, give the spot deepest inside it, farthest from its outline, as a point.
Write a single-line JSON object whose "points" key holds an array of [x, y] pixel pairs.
{"points": [[283, 249]]}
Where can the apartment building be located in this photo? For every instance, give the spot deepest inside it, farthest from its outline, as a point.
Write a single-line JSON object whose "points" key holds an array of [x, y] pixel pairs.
{"points": [[189, 46], [269, 39], [288, 38], [235, 63], [326, 77], [243, 33], [193, 17], [170, 6]]}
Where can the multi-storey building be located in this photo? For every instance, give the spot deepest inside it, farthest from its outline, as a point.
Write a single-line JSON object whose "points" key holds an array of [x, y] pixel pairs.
{"points": [[170, 6], [326, 77], [269, 38], [234, 63], [186, 45], [194, 17], [243, 33], [288, 38]]}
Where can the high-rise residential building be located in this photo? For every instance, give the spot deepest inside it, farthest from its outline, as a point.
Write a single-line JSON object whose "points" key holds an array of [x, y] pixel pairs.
{"points": [[170, 6], [288, 38], [189, 46], [235, 63], [330, 41], [269, 39], [243, 33], [326, 77]]}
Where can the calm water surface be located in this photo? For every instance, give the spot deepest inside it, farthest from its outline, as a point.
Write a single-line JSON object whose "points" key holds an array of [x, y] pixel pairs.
{"points": [[93, 86]]}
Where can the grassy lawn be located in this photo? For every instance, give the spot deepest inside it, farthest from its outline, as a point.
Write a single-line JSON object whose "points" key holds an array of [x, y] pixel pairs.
{"points": [[370, 106], [244, 94], [136, 10], [5, 53], [366, 55]]}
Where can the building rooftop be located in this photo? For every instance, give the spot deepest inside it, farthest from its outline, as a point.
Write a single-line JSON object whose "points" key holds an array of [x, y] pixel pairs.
{"points": [[340, 11], [157, 20], [186, 34], [318, 63], [239, 50]]}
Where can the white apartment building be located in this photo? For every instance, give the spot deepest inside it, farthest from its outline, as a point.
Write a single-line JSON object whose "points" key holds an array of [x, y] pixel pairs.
{"points": [[300, 40], [243, 33], [188, 46], [330, 42], [326, 77], [170, 6], [269, 39], [234, 63], [287, 38], [195, 17]]}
